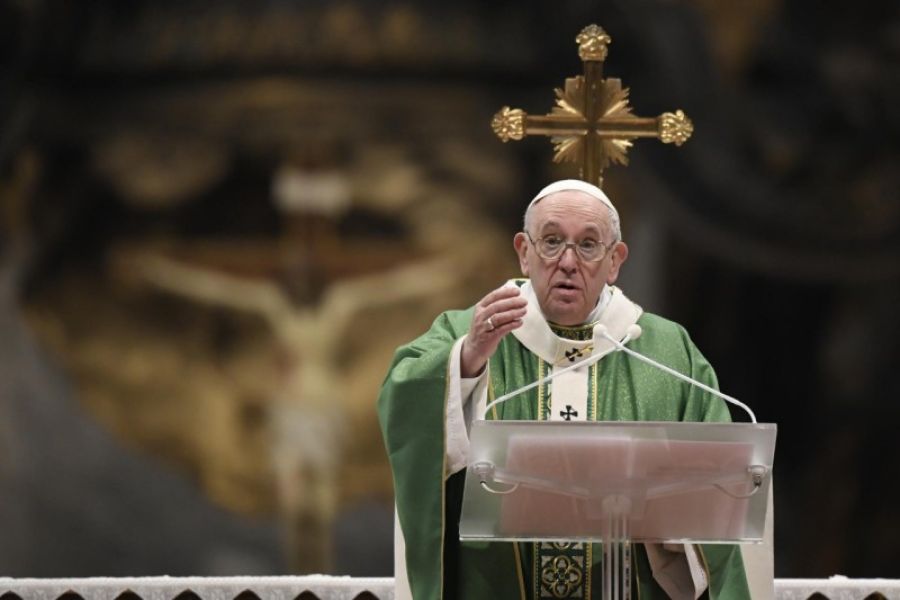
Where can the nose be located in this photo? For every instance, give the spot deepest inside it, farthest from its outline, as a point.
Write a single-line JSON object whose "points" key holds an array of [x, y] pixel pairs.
{"points": [[568, 260]]}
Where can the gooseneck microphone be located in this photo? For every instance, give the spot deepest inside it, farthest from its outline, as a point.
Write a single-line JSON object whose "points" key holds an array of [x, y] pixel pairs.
{"points": [[586, 361], [631, 333], [634, 331]]}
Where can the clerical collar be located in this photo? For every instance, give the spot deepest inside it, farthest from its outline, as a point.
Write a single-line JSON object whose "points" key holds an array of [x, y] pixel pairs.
{"points": [[614, 310], [585, 331]]}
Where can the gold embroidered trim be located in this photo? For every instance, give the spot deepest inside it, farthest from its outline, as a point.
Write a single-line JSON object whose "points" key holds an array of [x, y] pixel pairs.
{"points": [[562, 569], [637, 577], [542, 398], [490, 392], [582, 333], [588, 567], [521, 576]]}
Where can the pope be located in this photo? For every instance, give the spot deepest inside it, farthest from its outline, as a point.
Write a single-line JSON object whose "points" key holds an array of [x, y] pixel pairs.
{"points": [[571, 252]]}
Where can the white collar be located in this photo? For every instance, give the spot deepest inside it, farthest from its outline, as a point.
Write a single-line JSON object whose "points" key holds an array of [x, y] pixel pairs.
{"points": [[602, 303], [614, 310]]}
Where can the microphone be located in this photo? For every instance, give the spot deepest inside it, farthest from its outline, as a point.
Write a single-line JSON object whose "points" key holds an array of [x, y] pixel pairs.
{"points": [[633, 332]]}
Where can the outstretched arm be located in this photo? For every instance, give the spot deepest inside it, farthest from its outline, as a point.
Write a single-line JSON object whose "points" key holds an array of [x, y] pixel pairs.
{"points": [[406, 282], [212, 287]]}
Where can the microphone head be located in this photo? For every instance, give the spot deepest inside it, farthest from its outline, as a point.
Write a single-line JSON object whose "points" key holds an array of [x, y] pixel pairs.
{"points": [[634, 331], [600, 330]]}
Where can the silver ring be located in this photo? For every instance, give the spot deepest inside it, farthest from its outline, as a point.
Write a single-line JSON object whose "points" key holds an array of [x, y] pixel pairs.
{"points": [[491, 323]]}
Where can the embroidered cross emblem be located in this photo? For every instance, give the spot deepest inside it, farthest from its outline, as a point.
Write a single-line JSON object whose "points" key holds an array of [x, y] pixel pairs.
{"points": [[573, 354], [568, 413]]}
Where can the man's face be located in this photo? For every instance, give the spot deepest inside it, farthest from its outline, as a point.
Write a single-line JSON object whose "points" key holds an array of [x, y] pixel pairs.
{"points": [[568, 288]]}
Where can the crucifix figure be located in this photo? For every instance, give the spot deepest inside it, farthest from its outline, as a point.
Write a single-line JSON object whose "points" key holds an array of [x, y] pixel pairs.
{"points": [[568, 413], [309, 423], [592, 123]]}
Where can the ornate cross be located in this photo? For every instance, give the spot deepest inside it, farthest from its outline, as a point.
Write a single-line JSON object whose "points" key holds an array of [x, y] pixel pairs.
{"points": [[592, 123], [568, 413]]}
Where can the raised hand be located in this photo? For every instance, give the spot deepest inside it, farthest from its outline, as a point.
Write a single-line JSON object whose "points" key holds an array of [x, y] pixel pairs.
{"points": [[495, 315]]}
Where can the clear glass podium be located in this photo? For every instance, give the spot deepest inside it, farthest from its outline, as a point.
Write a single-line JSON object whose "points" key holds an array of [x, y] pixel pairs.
{"points": [[617, 482]]}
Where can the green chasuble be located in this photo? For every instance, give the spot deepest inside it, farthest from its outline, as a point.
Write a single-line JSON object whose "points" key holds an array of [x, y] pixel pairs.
{"points": [[412, 409]]}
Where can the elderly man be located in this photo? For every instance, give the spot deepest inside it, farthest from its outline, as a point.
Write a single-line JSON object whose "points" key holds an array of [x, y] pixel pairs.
{"points": [[571, 252]]}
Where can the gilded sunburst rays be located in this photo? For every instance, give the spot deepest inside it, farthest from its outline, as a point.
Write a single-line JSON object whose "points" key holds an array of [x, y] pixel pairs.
{"points": [[612, 104]]}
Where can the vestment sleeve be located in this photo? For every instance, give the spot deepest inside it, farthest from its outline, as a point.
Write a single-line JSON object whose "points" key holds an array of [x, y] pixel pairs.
{"points": [[411, 411], [464, 395]]}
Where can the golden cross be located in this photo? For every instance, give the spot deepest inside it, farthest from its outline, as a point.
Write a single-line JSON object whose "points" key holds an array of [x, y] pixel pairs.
{"points": [[592, 123]]}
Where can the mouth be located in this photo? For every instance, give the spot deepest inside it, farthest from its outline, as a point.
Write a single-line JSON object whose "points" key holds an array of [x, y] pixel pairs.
{"points": [[566, 286]]}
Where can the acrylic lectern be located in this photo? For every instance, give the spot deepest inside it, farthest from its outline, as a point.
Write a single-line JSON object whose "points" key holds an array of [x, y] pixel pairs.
{"points": [[616, 483]]}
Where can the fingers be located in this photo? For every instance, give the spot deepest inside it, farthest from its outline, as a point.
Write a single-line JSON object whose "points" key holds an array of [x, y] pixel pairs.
{"points": [[500, 319], [500, 293], [497, 314], [482, 341], [505, 327], [501, 300], [505, 305], [499, 307]]}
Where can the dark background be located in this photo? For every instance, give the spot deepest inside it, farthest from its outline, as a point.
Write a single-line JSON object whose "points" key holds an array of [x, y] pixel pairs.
{"points": [[773, 235]]}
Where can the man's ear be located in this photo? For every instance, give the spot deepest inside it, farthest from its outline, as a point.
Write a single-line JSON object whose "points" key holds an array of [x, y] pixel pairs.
{"points": [[618, 256], [520, 243]]}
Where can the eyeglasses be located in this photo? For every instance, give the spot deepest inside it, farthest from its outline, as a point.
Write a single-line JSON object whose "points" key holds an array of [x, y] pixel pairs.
{"points": [[552, 247]]}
